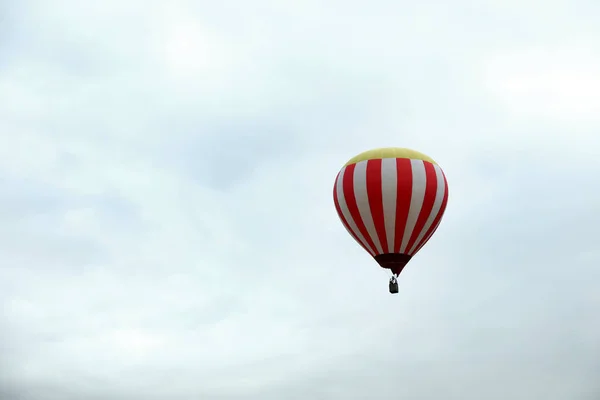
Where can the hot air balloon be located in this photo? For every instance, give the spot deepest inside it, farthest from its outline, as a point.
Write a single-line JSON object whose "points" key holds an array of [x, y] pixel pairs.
{"points": [[391, 201]]}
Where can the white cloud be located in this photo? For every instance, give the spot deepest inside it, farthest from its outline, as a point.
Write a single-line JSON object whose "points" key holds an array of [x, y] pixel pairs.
{"points": [[559, 83]]}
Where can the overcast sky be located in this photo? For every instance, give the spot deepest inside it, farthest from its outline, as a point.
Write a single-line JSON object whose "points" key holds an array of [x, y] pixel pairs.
{"points": [[166, 216]]}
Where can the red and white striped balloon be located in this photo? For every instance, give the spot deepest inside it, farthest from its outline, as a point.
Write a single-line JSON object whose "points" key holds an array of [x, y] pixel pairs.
{"points": [[391, 201]]}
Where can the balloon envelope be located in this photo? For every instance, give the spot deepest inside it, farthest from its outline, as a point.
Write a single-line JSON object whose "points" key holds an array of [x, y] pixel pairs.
{"points": [[391, 201]]}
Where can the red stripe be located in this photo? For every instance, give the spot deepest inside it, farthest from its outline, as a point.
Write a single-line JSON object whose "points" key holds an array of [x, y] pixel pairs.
{"points": [[427, 205], [348, 186], [437, 220], [403, 197], [375, 195], [341, 215]]}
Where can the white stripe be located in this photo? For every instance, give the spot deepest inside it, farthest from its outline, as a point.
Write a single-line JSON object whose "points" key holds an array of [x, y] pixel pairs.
{"points": [[419, 182], [346, 213], [389, 185], [436, 225], [437, 204], [427, 238], [362, 201]]}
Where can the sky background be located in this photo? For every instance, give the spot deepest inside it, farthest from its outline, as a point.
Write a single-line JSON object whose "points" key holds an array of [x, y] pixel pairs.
{"points": [[167, 228]]}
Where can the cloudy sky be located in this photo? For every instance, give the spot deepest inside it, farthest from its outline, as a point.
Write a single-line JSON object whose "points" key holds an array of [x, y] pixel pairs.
{"points": [[166, 217]]}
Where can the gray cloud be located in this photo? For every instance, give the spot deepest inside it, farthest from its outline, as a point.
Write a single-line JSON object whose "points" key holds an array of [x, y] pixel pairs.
{"points": [[166, 217]]}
